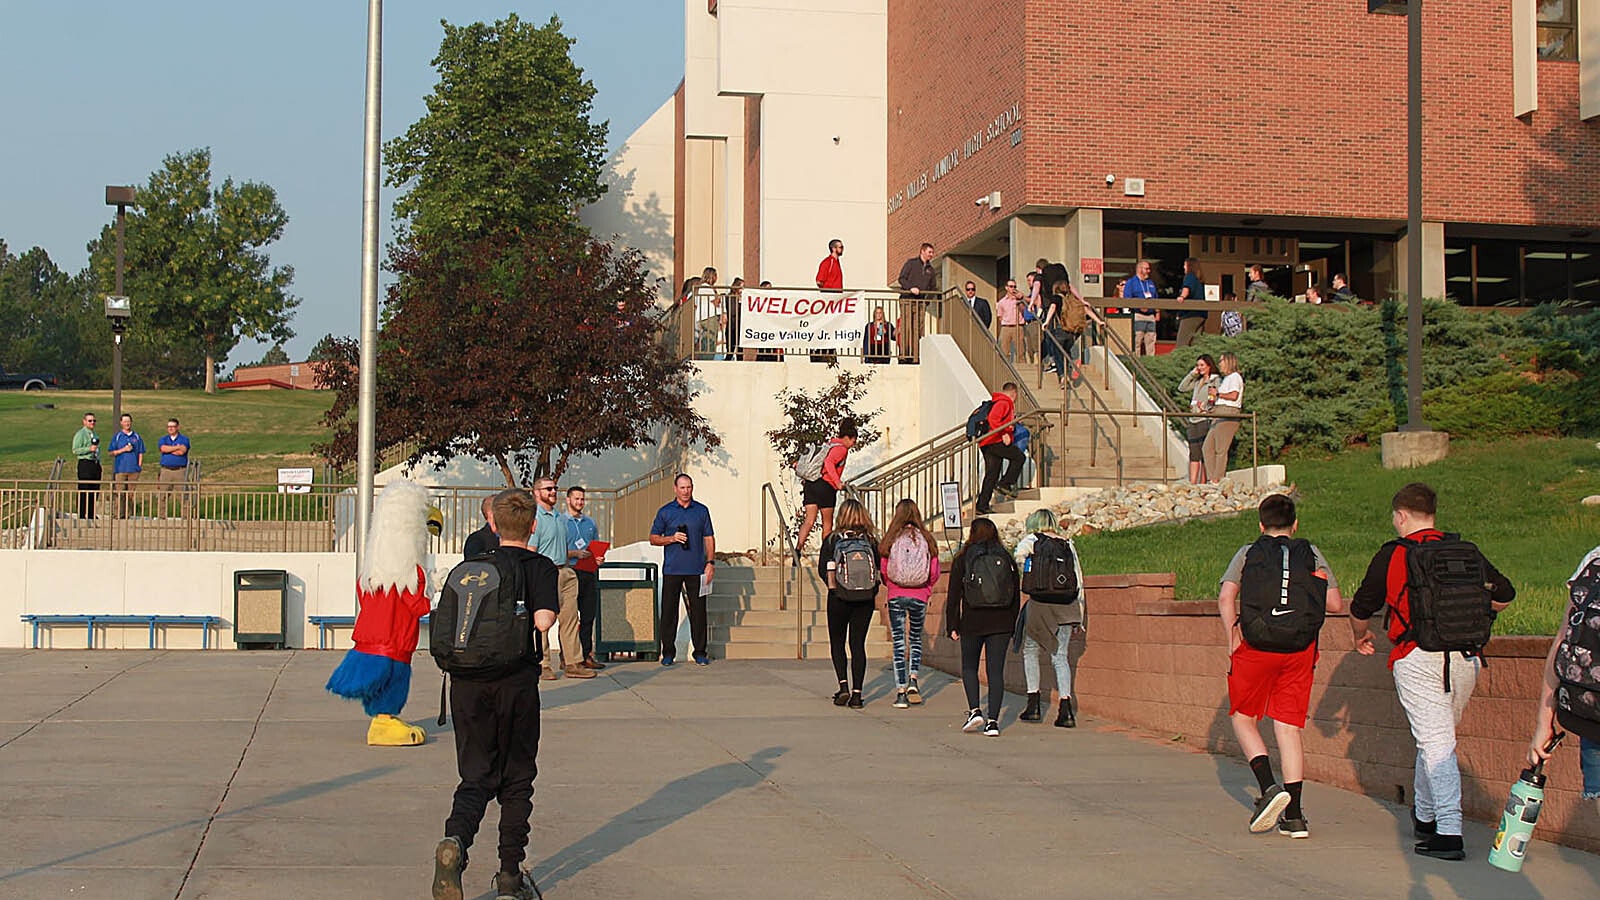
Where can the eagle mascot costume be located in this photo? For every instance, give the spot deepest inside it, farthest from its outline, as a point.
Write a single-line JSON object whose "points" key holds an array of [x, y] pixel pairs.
{"points": [[393, 594]]}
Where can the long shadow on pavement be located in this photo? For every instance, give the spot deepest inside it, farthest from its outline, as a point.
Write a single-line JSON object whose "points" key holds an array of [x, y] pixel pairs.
{"points": [[666, 806]]}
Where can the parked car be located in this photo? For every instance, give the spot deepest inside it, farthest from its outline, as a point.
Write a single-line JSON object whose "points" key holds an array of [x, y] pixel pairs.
{"points": [[12, 381]]}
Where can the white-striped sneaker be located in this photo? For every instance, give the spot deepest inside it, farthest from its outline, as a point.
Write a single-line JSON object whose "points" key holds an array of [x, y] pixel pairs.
{"points": [[974, 722]]}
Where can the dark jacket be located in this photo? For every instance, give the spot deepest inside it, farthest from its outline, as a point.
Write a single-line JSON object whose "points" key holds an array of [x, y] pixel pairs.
{"points": [[480, 542], [981, 307], [916, 274], [963, 620]]}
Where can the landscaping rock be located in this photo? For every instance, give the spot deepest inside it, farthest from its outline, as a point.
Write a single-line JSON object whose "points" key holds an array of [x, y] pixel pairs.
{"points": [[1135, 506], [1591, 500]]}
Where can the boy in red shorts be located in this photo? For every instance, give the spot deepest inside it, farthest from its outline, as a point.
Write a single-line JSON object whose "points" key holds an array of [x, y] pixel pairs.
{"points": [[1273, 599]]}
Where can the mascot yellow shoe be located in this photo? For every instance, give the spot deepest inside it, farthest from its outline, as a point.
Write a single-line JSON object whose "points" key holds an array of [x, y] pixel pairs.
{"points": [[388, 731], [393, 596]]}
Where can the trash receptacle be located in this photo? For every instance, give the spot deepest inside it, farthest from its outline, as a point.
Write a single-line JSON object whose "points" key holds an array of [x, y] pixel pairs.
{"points": [[260, 608], [627, 621]]}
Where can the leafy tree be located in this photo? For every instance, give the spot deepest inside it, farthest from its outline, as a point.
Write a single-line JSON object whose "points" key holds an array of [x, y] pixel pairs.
{"points": [[506, 145], [197, 266], [45, 325], [811, 419], [518, 351]]}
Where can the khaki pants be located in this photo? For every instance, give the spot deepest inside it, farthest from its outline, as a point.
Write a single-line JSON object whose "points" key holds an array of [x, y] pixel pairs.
{"points": [[123, 487], [1218, 440], [1187, 329], [1144, 341], [567, 619], [168, 481], [1011, 343]]}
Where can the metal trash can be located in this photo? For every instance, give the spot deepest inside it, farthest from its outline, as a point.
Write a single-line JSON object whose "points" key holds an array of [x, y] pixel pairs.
{"points": [[628, 621], [260, 609]]}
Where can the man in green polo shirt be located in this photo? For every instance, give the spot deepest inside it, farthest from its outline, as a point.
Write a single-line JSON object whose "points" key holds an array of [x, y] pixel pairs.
{"points": [[86, 448]]}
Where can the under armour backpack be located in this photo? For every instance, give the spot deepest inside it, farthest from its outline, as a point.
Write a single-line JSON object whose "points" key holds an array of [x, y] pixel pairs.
{"points": [[1052, 572], [855, 567], [909, 559], [1578, 656], [1282, 599], [978, 421], [991, 577], [482, 627], [1448, 595]]}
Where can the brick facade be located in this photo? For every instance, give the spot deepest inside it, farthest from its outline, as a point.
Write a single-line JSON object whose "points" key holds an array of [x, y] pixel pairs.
{"points": [[1159, 665], [1292, 109]]}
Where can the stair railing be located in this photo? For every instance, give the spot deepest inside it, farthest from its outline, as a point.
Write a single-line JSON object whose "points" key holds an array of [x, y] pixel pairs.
{"points": [[769, 500], [1083, 392]]}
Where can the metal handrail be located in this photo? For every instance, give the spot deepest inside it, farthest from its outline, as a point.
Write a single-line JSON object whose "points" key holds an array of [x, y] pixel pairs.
{"points": [[1142, 375], [1069, 391], [783, 583]]}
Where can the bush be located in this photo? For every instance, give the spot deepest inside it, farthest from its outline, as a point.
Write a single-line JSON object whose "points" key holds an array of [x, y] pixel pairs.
{"points": [[1497, 406]]}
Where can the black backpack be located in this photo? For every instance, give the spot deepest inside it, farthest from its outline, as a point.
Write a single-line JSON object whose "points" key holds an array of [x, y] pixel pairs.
{"points": [[1282, 601], [978, 422], [1448, 594], [482, 627], [855, 570], [991, 578], [1052, 572], [1578, 656]]}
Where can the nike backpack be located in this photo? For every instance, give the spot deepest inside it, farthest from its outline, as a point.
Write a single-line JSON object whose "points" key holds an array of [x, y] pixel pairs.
{"points": [[482, 627], [1578, 657], [855, 567], [1448, 595], [1052, 573], [990, 581], [1282, 600], [909, 560]]}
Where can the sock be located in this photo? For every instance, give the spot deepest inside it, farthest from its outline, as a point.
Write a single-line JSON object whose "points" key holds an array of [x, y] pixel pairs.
{"points": [[1293, 811], [1262, 767]]}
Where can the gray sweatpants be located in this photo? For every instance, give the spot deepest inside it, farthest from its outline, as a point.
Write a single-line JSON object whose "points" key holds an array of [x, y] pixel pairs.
{"points": [[1434, 715]]}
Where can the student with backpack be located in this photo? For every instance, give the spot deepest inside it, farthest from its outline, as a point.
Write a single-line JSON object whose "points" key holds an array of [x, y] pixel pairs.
{"points": [[1053, 581], [821, 472], [1570, 698], [850, 566], [1002, 461], [485, 634], [1273, 599], [981, 612], [1441, 597], [910, 568]]}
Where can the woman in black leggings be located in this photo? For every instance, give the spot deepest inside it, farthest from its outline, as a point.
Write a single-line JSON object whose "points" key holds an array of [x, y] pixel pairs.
{"points": [[849, 565], [981, 611]]}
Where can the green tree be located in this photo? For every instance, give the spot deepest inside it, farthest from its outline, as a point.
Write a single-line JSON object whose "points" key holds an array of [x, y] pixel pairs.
{"points": [[43, 327], [197, 267], [506, 144]]}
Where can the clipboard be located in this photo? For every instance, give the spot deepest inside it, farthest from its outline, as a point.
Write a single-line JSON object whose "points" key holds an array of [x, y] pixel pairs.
{"points": [[592, 563]]}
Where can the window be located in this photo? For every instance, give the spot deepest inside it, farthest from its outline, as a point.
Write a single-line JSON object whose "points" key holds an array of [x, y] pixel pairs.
{"points": [[1558, 32]]}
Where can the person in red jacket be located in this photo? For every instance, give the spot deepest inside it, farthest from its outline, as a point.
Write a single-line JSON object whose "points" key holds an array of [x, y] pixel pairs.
{"points": [[821, 495], [393, 596], [1000, 449], [830, 275]]}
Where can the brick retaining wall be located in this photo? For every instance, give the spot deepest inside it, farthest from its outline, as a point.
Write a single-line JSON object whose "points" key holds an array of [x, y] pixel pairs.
{"points": [[1159, 664]]}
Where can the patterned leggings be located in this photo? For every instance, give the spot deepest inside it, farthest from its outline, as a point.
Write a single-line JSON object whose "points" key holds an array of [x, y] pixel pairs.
{"points": [[906, 615]]}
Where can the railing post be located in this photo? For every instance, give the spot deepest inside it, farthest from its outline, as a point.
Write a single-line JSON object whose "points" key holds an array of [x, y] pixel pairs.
{"points": [[1255, 452]]}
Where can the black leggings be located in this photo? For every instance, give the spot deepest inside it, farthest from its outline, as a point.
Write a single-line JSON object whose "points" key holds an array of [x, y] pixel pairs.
{"points": [[993, 647], [855, 618]]}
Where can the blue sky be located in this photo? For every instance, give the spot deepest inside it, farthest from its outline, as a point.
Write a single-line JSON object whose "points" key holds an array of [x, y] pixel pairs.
{"points": [[97, 92]]}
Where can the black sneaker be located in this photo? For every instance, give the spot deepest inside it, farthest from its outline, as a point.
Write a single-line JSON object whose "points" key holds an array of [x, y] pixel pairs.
{"points": [[901, 701], [842, 695], [1420, 829], [855, 701], [974, 722], [991, 728], [1269, 806], [913, 696], [448, 860], [1441, 846], [1294, 828], [515, 886]]}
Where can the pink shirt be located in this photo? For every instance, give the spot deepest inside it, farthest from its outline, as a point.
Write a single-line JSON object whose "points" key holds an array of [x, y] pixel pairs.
{"points": [[1010, 310], [916, 593]]}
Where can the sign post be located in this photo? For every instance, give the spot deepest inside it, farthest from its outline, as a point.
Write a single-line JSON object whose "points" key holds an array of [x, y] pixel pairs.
{"points": [[950, 500]]}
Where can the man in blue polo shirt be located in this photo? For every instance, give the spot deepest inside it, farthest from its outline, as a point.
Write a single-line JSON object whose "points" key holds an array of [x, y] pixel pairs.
{"points": [[174, 448], [689, 551], [581, 532], [127, 461], [550, 541], [1140, 287]]}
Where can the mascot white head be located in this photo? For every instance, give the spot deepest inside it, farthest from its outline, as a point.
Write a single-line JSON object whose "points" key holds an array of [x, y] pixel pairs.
{"points": [[398, 540]]}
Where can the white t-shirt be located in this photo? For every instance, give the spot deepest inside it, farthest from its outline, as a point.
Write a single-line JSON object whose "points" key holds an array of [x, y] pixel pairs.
{"points": [[1231, 383]]}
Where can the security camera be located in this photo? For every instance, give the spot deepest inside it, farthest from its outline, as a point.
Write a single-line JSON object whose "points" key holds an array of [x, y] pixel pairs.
{"points": [[981, 201], [836, 139], [1110, 180]]}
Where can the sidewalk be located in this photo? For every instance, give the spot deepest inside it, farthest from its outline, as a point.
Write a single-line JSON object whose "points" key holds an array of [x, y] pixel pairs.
{"points": [[186, 774]]}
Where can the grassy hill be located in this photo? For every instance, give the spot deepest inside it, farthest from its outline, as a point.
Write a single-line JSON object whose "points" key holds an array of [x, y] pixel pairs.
{"points": [[240, 436], [1517, 499]]}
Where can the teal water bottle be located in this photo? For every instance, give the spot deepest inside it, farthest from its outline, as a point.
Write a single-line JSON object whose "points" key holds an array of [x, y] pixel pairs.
{"points": [[1522, 813]]}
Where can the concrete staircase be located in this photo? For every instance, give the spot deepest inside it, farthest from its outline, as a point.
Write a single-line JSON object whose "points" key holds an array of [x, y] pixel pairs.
{"points": [[1087, 436], [746, 622]]}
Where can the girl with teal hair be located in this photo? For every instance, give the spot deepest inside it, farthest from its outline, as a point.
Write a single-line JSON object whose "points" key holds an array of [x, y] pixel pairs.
{"points": [[1049, 618]]}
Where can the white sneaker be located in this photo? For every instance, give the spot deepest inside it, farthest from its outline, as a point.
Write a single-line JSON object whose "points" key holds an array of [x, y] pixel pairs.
{"points": [[974, 722]]}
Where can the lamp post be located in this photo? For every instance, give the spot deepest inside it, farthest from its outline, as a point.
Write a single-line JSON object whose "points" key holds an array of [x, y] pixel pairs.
{"points": [[367, 385], [118, 306]]}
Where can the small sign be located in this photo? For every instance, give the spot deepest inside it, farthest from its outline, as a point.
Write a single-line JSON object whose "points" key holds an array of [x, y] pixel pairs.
{"points": [[950, 498], [1091, 279], [1092, 265], [1213, 292], [295, 481]]}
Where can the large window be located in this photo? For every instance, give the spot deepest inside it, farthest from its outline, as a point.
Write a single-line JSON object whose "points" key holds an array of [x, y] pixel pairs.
{"points": [[1558, 31], [1499, 272]]}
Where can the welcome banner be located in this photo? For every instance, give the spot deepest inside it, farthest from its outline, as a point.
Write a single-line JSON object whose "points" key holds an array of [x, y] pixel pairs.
{"points": [[801, 319]]}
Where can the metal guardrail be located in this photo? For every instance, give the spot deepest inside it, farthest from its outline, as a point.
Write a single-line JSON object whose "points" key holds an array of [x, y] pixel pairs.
{"points": [[769, 500]]}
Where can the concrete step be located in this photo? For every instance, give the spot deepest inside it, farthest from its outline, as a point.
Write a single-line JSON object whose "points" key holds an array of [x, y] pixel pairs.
{"points": [[774, 618]]}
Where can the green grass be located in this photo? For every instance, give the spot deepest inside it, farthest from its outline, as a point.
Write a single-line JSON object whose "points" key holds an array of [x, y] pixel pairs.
{"points": [[240, 436], [1517, 499]]}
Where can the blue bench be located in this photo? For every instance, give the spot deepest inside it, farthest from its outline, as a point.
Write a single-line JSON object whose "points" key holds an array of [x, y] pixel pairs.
{"points": [[326, 624], [90, 620]]}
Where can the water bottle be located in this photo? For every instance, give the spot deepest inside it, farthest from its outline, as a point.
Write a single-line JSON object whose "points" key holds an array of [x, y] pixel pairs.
{"points": [[1522, 813]]}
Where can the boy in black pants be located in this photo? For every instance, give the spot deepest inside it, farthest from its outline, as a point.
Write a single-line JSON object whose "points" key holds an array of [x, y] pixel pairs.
{"points": [[497, 728]]}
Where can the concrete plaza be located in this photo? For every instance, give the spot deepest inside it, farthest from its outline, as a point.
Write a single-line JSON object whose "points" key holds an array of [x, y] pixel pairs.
{"points": [[233, 775]]}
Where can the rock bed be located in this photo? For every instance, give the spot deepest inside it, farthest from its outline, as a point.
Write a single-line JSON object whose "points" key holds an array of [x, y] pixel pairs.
{"points": [[1132, 506]]}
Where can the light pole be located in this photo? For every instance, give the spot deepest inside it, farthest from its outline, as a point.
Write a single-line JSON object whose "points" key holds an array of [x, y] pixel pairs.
{"points": [[367, 384], [118, 306]]}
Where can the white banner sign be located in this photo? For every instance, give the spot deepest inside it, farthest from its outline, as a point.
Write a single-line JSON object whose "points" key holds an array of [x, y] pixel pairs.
{"points": [[801, 320]]}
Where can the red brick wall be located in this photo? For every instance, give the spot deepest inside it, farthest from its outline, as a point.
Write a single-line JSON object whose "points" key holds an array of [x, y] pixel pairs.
{"points": [[1160, 665], [1294, 108], [307, 378]]}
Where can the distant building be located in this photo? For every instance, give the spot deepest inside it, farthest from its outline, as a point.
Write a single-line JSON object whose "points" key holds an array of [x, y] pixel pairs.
{"points": [[300, 376]]}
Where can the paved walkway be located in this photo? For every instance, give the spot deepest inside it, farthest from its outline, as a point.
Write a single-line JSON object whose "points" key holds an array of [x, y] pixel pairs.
{"points": [[226, 774]]}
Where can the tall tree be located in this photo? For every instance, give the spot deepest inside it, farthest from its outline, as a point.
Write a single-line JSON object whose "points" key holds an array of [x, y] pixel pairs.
{"points": [[522, 352], [506, 144], [196, 261]]}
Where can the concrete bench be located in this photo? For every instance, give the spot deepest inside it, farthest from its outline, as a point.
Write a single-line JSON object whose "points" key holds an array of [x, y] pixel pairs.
{"points": [[326, 624], [90, 620]]}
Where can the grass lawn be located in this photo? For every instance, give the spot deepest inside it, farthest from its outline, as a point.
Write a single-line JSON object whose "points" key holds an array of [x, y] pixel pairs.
{"points": [[241, 436], [1517, 499]]}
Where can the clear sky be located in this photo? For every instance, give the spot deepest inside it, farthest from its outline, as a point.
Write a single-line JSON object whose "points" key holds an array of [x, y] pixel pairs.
{"points": [[97, 92]]}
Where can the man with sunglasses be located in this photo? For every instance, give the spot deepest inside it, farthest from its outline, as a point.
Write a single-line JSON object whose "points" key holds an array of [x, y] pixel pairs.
{"points": [[550, 541], [86, 447]]}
